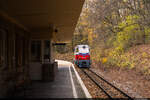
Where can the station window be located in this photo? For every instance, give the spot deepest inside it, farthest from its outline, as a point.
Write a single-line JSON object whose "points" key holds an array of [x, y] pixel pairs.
{"points": [[46, 49], [36, 51], [3, 48]]}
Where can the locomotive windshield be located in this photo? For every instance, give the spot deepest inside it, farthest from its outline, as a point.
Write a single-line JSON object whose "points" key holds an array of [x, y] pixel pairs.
{"points": [[82, 49]]}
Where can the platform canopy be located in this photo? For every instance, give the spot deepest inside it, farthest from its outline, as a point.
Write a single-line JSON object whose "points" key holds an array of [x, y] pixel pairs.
{"points": [[41, 17]]}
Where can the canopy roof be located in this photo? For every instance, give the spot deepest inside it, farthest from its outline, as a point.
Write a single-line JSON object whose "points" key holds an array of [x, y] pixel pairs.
{"points": [[41, 16]]}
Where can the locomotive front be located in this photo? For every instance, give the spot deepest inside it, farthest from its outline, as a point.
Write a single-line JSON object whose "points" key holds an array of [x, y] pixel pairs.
{"points": [[82, 56]]}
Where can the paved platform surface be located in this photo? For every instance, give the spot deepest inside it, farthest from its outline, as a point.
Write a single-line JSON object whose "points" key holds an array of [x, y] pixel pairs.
{"points": [[65, 85]]}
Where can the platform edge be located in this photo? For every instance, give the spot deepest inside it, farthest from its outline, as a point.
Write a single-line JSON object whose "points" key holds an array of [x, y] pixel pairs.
{"points": [[87, 94]]}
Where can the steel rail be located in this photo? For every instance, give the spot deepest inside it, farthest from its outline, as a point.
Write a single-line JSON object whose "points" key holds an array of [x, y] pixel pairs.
{"points": [[97, 84], [111, 85]]}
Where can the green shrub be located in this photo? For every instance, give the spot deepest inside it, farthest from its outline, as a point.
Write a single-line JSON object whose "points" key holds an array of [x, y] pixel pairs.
{"points": [[147, 34], [130, 33]]}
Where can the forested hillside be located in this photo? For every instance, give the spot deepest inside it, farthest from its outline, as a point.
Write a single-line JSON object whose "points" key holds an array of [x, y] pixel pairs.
{"points": [[118, 32]]}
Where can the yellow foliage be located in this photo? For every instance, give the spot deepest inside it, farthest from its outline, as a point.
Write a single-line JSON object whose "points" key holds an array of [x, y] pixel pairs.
{"points": [[130, 34], [90, 35], [84, 23], [144, 61], [144, 54], [146, 70], [132, 65], [147, 34], [117, 58], [104, 60]]}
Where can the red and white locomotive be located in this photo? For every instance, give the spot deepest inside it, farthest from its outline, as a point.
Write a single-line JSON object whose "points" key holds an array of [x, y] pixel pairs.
{"points": [[82, 56]]}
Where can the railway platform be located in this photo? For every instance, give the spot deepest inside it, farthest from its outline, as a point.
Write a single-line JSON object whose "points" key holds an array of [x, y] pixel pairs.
{"points": [[67, 84]]}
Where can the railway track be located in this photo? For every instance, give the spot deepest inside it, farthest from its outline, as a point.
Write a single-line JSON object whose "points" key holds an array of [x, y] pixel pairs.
{"points": [[109, 89]]}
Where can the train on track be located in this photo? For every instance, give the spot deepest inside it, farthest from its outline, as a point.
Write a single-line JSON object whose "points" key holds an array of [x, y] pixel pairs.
{"points": [[82, 56]]}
